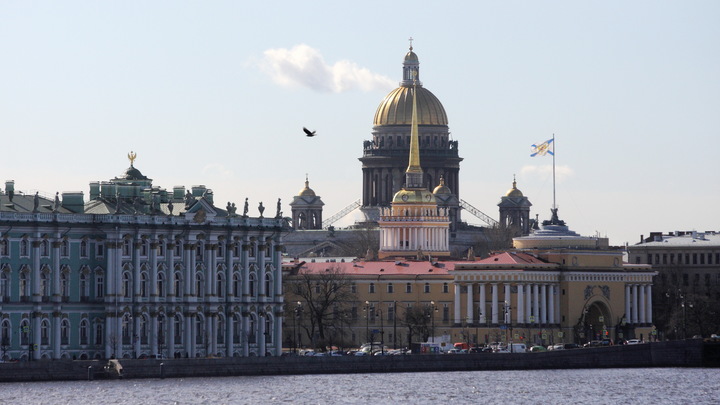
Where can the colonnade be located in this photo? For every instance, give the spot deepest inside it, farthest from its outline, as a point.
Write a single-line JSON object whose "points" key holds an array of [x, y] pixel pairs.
{"points": [[638, 303], [521, 303]]}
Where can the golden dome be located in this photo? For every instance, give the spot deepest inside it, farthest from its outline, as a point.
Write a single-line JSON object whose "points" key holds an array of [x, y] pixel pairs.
{"points": [[514, 192], [396, 108], [307, 191], [442, 188], [413, 196]]}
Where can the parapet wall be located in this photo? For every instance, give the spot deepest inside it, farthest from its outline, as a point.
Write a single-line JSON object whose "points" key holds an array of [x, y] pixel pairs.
{"points": [[688, 353]]}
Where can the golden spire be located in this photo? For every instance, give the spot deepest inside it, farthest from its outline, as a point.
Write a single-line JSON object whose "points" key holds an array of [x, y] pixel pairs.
{"points": [[132, 156], [414, 164]]}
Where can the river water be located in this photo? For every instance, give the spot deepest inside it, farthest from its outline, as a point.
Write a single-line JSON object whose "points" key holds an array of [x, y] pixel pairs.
{"points": [[650, 386]]}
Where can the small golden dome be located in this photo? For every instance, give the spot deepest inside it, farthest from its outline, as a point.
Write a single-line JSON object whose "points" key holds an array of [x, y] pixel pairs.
{"points": [[307, 191], [514, 192], [413, 196], [442, 189], [396, 108]]}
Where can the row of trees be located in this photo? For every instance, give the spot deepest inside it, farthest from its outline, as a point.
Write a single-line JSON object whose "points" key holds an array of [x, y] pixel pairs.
{"points": [[684, 308], [326, 305]]}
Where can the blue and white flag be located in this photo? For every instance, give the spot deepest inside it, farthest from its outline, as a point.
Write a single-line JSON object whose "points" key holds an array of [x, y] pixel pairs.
{"points": [[542, 149]]}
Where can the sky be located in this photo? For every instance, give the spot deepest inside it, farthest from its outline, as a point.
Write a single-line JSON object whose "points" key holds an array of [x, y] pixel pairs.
{"points": [[217, 93]]}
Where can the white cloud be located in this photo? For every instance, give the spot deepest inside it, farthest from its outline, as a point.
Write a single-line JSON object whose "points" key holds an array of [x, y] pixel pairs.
{"points": [[545, 171], [304, 66]]}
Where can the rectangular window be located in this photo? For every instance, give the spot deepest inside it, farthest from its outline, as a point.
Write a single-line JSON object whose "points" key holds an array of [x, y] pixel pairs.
{"points": [[371, 288], [408, 288], [702, 258], [665, 258], [353, 288], [672, 258], [686, 279], [99, 250], [694, 258], [390, 288]]}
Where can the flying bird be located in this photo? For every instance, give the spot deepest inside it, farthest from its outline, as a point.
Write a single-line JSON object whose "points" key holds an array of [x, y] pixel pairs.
{"points": [[308, 132]]}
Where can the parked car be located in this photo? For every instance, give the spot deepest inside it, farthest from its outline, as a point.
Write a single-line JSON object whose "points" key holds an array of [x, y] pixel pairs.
{"points": [[633, 342], [537, 348]]}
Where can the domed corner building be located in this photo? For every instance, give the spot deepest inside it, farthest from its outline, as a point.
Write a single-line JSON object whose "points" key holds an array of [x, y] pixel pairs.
{"points": [[385, 157]]}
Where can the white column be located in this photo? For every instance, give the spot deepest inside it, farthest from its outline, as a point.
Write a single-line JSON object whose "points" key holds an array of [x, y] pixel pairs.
{"points": [[641, 298], [536, 303], [520, 304], [470, 315], [552, 299], [528, 303], [494, 303], [628, 319], [648, 297], [506, 295], [457, 304], [634, 303], [543, 304], [483, 306]]}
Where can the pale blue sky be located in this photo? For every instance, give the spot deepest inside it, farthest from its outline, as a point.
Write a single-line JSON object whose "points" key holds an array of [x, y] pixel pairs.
{"points": [[217, 93]]}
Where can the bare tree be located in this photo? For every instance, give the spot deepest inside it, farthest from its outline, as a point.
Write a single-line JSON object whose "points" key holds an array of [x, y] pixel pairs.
{"points": [[326, 298], [418, 320], [494, 239]]}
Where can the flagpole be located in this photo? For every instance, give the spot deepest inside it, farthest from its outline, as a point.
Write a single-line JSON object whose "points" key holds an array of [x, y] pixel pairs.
{"points": [[553, 155]]}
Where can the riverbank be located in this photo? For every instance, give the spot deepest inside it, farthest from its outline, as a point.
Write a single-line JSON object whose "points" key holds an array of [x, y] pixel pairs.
{"points": [[687, 353]]}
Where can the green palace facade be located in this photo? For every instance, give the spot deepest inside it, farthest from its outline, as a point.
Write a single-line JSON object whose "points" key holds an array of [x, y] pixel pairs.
{"points": [[135, 271]]}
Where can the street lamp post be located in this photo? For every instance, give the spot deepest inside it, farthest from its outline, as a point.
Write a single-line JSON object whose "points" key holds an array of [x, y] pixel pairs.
{"points": [[508, 322], [382, 332], [296, 335], [394, 324], [433, 309], [367, 324]]}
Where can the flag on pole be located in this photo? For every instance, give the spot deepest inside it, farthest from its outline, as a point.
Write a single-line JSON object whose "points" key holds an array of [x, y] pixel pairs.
{"points": [[542, 149]]}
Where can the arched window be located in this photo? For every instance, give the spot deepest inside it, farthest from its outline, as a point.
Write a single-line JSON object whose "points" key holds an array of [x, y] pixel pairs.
{"points": [[236, 285], [65, 284], [84, 332], [177, 329], [252, 285], [237, 329], [44, 285], [4, 247], [24, 332], [220, 332], [98, 334], [178, 284], [199, 285], [268, 285], [268, 330], [24, 285], [65, 249], [45, 248], [143, 284], [65, 332], [126, 247], [126, 285], [45, 332], [5, 334], [83, 249], [161, 284], [24, 247], [84, 290], [200, 329], [126, 325], [4, 286], [221, 285], [143, 332], [252, 330], [99, 285]]}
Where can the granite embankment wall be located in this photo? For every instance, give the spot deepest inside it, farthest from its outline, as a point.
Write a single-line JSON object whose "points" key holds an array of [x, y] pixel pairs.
{"points": [[689, 353]]}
